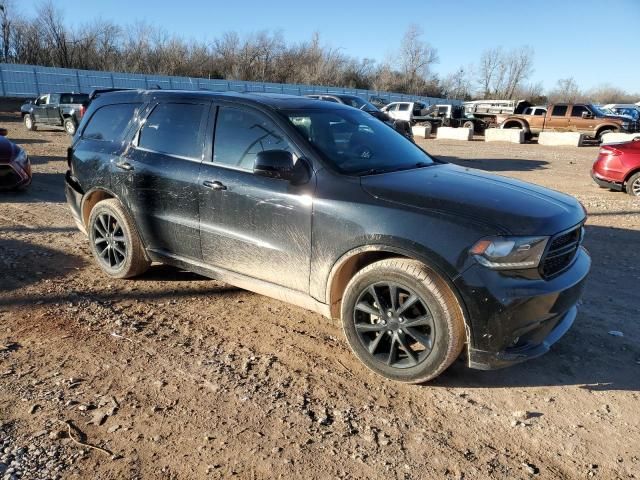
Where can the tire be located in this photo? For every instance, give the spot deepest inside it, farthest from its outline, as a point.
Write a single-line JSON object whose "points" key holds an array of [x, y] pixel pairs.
{"points": [[120, 254], [469, 124], [432, 327], [602, 133], [29, 122], [633, 185], [70, 126]]}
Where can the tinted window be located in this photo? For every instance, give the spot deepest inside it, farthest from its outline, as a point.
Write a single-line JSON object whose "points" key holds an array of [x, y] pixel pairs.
{"points": [[174, 128], [403, 107], [356, 142], [539, 112], [108, 123], [241, 134], [577, 110], [392, 108], [74, 98], [559, 111]]}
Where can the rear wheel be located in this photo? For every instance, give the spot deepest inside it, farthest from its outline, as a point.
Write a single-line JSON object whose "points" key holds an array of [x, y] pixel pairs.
{"points": [[402, 320], [469, 124], [115, 242], [29, 123], [70, 126], [633, 185]]}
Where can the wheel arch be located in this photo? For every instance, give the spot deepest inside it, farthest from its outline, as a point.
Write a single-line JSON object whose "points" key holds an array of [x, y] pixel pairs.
{"points": [[607, 126], [512, 123], [357, 258], [631, 174], [91, 198]]}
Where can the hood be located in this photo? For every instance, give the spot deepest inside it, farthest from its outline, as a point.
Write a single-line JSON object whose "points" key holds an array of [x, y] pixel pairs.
{"points": [[8, 150], [512, 206]]}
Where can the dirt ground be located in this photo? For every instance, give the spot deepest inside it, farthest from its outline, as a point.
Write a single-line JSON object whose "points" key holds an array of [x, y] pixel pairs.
{"points": [[177, 376]]}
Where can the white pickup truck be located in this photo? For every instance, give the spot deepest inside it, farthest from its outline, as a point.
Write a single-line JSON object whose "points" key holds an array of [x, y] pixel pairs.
{"points": [[409, 111]]}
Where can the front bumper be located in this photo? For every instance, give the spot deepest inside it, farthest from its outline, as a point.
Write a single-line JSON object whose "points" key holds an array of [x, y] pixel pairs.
{"points": [[603, 182], [515, 317]]}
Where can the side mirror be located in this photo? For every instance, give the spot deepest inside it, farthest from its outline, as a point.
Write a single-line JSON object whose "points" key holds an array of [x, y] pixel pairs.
{"points": [[587, 115], [279, 164]]}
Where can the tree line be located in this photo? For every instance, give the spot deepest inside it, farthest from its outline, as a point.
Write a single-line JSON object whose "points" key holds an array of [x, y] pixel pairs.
{"points": [[46, 39]]}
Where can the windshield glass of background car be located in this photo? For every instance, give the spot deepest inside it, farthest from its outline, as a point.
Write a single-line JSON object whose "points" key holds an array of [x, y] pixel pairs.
{"points": [[355, 142], [357, 102]]}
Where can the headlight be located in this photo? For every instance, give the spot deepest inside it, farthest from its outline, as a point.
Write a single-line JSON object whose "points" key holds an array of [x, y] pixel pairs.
{"points": [[21, 158], [508, 253]]}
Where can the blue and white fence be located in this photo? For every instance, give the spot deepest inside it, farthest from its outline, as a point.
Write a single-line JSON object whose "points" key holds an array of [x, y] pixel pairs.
{"points": [[30, 81]]}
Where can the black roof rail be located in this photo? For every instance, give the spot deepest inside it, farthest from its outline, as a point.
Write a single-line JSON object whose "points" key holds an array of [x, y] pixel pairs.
{"points": [[99, 91]]}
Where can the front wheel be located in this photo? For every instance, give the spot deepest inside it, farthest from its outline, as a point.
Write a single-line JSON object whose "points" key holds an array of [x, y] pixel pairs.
{"points": [[468, 124], [402, 320], [29, 123], [70, 126], [633, 185], [603, 133], [115, 242]]}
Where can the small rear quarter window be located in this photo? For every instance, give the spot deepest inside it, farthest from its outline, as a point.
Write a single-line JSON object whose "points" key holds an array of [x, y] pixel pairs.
{"points": [[109, 123]]}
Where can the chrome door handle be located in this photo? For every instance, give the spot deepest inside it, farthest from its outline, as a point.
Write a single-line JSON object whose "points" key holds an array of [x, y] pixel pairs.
{"points": [[124, 166], [214, 185]]}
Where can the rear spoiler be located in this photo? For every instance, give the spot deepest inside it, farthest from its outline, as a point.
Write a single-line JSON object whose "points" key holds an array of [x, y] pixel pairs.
{"points": [[99, 91]]}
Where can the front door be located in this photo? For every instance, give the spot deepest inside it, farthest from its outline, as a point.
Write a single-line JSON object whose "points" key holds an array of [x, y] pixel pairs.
{"points": [[40, 113], [253, 225], [53, 109], [160, 171], [579, 124]]}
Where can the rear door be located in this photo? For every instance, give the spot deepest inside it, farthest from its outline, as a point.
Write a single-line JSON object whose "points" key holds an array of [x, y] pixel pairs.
{"points": [[558, 118], [159, 174], [250, 224], [53, 109]]}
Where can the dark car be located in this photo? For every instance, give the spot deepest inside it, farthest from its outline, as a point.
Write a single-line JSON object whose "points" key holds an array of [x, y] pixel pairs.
{"points": [[356, 102], [15, 167], [60, 109], [618, 167], [323, 206]]}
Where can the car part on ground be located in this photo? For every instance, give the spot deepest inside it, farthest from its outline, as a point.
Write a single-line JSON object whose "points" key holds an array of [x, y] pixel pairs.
{"points": [[56, 109], [618, 167], [320, 205], [15, 166]]}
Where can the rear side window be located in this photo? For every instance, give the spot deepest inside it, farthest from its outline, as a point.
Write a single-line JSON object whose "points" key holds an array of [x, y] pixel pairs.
{"points": [[74, 98], [241, 134], [174, 129], [559, 111], [403, 107], [539, 112], [108, 123]]}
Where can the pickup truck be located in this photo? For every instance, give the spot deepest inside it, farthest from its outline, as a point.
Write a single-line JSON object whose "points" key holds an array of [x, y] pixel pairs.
{"points": [[61, 109], [453, 116], [562, 117], [412, 112]]}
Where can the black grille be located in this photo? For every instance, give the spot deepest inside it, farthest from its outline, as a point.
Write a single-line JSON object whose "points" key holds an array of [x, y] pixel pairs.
{"points": [[8, 176], [562, 249]]}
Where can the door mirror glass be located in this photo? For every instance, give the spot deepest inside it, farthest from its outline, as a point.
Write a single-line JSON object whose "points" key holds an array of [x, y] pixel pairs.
{"points": [[586, 115], [280, 164]]}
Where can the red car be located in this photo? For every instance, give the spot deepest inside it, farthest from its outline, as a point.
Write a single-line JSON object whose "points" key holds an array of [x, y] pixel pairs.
{"points": [[15, 167], [618, 167]]}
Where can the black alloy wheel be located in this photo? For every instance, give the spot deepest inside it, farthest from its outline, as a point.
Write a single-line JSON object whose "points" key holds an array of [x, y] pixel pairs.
{"points": [[394, 324], [110, 241]]}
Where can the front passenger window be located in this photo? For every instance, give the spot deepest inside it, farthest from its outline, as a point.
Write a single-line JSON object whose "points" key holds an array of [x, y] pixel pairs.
{"points": [[241, 134]]}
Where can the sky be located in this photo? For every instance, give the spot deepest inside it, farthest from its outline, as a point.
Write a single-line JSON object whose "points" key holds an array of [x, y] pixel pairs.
{"points": [[593, 41]]}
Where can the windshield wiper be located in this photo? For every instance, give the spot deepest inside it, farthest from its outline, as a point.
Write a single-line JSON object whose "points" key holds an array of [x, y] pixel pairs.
{"points": [[376, 171]]}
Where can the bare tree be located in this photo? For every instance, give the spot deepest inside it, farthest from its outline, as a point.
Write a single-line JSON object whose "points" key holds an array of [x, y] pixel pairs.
{"points": [[567, 90], [501, 74], [416, 58]]}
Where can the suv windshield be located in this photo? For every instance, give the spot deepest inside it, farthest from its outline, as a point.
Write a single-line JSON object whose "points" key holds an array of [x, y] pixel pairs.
{"points": [[357, 143], [357, 102]]}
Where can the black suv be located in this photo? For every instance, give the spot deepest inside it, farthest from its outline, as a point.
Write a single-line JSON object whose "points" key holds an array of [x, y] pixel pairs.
{"points": [[323, 206]]}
